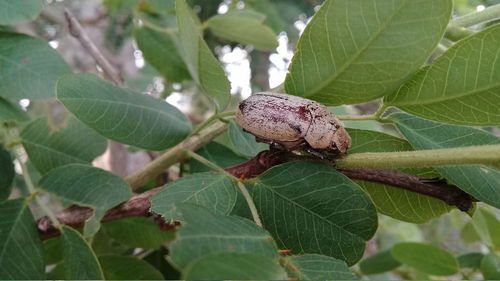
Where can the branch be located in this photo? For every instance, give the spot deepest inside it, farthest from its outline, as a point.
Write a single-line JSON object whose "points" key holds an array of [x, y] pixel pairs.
{"points": [[489, 14]]}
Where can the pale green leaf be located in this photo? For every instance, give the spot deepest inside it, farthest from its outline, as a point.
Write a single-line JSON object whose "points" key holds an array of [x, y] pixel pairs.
{"points": [[10, 111], [461, 86], [311, 208], [398, 203], [487, 227], [243, 27], [122, 115], [202, 65], [80, 262], [21, 252], [160, 50], [127, 268], [379, 263], [7, 173], [242, 142], [87, 186], [318, 267], [480, 181], [204, 233], [76, 143], [19, 11], [490, 267], [426, 258], [138, 232], [29, 67], [234, 266], [356, 51]]}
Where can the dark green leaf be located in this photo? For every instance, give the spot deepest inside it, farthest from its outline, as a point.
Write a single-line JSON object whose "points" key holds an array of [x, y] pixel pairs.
{"points": [[216, 153], [160, 50], [318, 267], [202, 65], [21, 252], [244, 27], [122, 115], [29, 67], [74, 144], [487, 226], [490, 267], [80, 262], [426, 258], [10, 111], [356, 51], [478, 180], [205, 233], [158, 260], [214, 191], [7, 173], [311, 208], [242, 142], [471, 260], [460, 87], [398, 203], [127, 268], [138, 232], [238, 266], [378, 263], [19, 10], [53, 249], [87, 186]]}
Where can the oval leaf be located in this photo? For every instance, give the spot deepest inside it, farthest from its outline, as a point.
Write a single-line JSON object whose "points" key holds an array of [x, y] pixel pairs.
{"points": [[127, 268], [379, 263], [202, 65], [490, 267], [470, 260], [47, 150], [356, 51], [214, 191], [478, 180], [80, 262], [29, 67], [426, 258], [311, 208], [18, 11], [241, 141], [243, 27], [87, 186], [217, 154], [21, 251], [318, 267], [398, 203], [205, 233], [122, 115], [487, 227], [7, 173], [460, 87]]}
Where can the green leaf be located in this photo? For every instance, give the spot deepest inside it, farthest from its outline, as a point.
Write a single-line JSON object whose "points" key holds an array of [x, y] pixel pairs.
{"points": [[379, 263], [242, 142], [356, 51], [460, 87], [214, 191], [202, 65], [138, 232], [205, 232], [478, 180], [127, 268], [490, 267], [469, 234], [487, 226], [215, 153], [244, 27], [76, 143], [426, 258], [471, 260], [18, 11], [311, 208], [29, 67], [236, 266], [160, 50], [122, 115], [80, 262], [53, 249], [21, 252], [7, 174], [318, 267], [398, 203], [87, 186], [10, 111]]}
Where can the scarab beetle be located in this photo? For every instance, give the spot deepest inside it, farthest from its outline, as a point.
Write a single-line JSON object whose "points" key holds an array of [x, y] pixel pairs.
{"points": [[293, 123]]}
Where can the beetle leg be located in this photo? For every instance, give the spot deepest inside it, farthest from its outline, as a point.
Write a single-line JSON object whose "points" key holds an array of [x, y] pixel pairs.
{"points": [[316, 153]]}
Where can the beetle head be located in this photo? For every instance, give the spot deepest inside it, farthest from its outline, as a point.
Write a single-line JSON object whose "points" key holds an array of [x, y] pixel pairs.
{"points": [[341, 140]]}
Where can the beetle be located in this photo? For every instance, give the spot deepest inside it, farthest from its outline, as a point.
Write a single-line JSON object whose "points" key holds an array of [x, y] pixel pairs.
{"points": [[293, 123]]}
